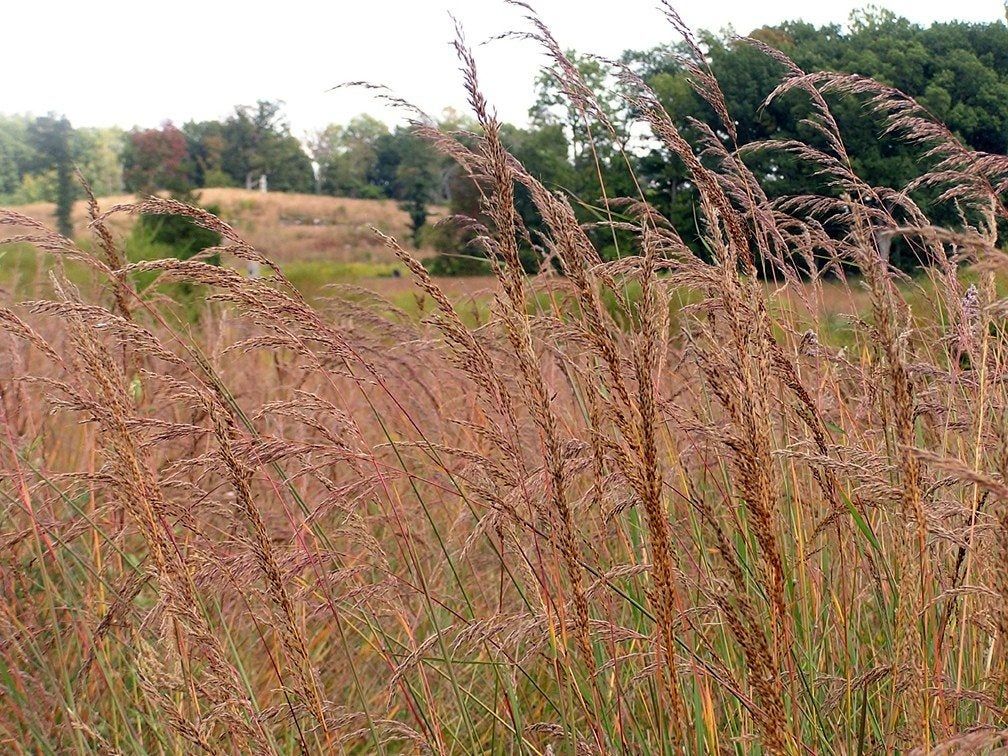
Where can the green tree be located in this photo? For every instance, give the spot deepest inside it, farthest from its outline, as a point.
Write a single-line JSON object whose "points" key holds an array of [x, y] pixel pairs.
{"points": [[960, 71], [346, 157], [182, 235], [50, 137], [591, 130], [206, 142], [16, 154], [543, 150], [408, 169], [418, 179], [99, 154], [258, 141], [598, 134]]}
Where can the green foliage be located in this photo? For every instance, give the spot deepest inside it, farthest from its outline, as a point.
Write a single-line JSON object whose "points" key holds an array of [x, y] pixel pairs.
{"points": [[206, 141], [543, 151], [180, 236], [35, 187], [15, 153], [446, 264], [346, 156], [99, 156], [156, 237], [959, 71], [217, 178], [257, 140], [597, 136], [418, 176], [184, 300], [49, 137], [457, 252], [38, 155], [594, 134], [310, 277]]}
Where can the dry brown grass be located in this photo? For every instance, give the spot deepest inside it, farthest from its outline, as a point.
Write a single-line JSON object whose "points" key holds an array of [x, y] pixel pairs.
{"points": [[285, 226], [564, 527], [46, 213], [306, 227]]}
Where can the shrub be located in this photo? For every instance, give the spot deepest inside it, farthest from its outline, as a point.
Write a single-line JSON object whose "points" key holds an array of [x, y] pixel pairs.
{"points": [[181, 235], [446, 264], [215, 177]]}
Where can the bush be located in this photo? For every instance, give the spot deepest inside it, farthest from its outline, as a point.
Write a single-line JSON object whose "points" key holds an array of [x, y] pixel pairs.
{"points": [[214, 177], [457, 265], [459, 254], [183, 237]]}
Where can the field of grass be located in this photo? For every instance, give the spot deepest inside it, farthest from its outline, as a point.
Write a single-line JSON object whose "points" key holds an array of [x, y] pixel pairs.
{"points": [[318, 241], [285, 226], [656, 505]]}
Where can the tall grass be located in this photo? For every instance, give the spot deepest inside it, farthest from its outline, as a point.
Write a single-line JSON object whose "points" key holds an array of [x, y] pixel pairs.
{"points": [[579, 525]]}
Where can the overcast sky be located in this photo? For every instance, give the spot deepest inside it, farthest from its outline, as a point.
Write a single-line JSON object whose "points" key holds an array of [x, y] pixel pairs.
{"points": [[124, 62]]}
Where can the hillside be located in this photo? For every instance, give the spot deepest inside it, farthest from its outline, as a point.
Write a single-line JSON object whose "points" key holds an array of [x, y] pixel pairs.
{"points": [[286, 227], [318, 240]]}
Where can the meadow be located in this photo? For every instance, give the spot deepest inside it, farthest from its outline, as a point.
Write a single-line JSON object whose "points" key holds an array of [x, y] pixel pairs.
{"points": [[318, 241], [750, 500]]}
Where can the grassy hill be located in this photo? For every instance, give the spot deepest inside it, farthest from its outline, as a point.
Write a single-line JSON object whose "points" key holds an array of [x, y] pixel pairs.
{"points": [[286, 227], [318, 240]]}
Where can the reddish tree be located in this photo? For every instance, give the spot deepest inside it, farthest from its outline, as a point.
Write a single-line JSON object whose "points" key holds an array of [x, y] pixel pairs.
{"points": [[156, 159]]}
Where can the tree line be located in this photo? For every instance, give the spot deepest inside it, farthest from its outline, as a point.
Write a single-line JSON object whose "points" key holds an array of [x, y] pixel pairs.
{"points": [[958, 71]]}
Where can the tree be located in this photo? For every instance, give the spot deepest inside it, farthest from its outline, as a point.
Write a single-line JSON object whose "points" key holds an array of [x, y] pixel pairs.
{"points": [[206, 142], [592, 131], [16, 154], [258, 141], [959, 71], [157, 159], [183, 235], [418, 178], [49, 137], [408, 169], [543, 150], [100, 158], [346, 157], [598, 135]]}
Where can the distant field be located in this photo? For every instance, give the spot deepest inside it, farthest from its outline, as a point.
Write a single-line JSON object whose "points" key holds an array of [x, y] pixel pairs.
{"points": [[319, 241], [325, 244], [286, 227]]}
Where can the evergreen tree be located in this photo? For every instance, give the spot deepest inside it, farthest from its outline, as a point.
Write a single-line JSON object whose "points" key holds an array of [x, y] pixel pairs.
{"points": [[49, 137]]}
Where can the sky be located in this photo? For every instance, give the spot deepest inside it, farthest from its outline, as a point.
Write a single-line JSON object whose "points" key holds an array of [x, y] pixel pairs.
{"points": [[127, 63]]}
